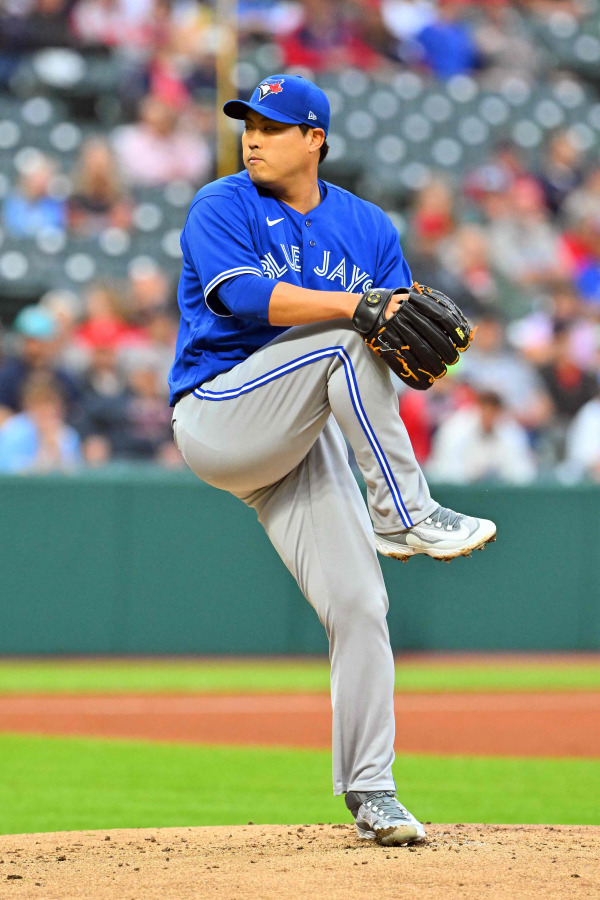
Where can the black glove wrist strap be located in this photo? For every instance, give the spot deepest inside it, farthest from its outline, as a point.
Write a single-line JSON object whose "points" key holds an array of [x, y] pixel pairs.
{"points": [[369, 314]]}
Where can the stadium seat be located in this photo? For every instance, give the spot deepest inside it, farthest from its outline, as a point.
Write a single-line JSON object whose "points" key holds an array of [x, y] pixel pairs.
{"points": [[438, 107], [148, 216]]}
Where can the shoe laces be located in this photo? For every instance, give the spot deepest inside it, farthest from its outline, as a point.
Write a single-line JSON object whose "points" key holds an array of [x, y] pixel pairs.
{"points": [[386, 804], [444, 518]]}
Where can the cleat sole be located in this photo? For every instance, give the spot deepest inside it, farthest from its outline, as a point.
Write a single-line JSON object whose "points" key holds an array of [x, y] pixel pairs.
{"points": [[395, 835], [404, 553]]}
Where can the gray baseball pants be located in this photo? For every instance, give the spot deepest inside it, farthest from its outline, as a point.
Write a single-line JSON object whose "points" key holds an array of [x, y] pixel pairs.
{"points": [[268, 431]]}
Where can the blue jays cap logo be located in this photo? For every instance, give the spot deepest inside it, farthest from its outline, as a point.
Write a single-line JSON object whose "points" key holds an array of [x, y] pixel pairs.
{"points": [[269, 87], [285, 98]]}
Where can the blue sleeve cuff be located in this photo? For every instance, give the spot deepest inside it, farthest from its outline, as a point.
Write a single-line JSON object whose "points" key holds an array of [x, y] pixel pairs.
{"points": [[247, 296]]}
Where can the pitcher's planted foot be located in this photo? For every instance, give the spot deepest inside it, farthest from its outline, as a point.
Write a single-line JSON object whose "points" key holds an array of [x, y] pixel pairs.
{"points": [[380, 817]]}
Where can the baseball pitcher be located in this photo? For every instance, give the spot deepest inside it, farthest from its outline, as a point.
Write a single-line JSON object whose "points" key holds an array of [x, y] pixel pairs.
{"points": [[296, 301]]}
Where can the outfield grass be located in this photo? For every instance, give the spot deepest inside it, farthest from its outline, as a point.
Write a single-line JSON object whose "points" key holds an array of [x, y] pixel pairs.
{"points": [[292, 676], [59, 784]]}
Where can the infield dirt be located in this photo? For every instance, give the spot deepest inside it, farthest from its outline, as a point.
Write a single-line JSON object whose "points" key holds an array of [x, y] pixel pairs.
{"points": [[560, 724], [302, 861]]}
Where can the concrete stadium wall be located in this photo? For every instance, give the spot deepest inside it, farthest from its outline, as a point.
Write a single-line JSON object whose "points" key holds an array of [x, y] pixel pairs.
{"points": [[147, 562]]}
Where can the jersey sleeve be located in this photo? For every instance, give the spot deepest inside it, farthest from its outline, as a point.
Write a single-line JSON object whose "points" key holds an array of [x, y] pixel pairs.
{"points": [[246, 296], [217, 242], [392, 269]]}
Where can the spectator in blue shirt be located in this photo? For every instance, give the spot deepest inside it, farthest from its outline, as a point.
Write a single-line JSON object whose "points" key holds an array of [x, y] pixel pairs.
{"points": [[35, 345], [30, 207], [448, 44], [38, 439]]}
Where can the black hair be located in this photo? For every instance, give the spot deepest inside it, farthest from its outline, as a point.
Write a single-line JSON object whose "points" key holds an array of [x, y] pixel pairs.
{"points": [[324, 149]]}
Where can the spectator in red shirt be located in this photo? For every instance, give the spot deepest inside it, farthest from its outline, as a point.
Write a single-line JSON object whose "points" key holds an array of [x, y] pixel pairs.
{"points": [[580, 245], [328, 40], [106, 324], [568, 384]]}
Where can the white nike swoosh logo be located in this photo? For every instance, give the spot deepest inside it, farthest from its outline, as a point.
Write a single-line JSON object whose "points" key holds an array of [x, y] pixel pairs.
{"points": [[275, 221]]}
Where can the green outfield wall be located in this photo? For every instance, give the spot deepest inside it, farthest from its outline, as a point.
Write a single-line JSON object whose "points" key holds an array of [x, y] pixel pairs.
{"points": [[147, 562]]}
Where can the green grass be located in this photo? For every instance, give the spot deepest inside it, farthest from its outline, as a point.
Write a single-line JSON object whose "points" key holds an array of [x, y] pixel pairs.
{"points": [[60, 784], [231, 675]]}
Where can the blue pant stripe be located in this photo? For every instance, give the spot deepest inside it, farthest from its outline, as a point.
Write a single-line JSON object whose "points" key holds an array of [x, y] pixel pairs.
{"points": [[375, 446], [204, 394]]}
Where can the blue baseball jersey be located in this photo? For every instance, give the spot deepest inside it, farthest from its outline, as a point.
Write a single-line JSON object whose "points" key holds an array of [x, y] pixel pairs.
{"points": [[238, 241]]}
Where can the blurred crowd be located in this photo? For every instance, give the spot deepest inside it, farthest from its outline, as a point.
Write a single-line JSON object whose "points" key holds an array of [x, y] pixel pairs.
{"points": [[83, 380], [519, 250], [168, 47], [515, 242]]}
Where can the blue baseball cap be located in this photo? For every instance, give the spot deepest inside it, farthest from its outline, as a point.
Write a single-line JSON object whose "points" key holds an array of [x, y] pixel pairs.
{"points": [[285, 98], [34, 322]]}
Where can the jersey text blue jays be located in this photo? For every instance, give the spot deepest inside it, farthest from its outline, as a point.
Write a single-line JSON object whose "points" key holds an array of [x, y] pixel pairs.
{"points": [[235, 230]]}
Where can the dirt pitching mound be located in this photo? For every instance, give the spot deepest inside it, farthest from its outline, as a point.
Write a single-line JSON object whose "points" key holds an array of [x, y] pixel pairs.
{"points": [[302, 861]]}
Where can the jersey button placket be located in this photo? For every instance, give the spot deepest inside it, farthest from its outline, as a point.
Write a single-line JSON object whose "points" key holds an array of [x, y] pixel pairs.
{"points": [[308, 223]]}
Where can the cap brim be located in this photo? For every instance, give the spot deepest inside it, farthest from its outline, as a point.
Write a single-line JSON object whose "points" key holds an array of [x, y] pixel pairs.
{"points": [[238, 109]]}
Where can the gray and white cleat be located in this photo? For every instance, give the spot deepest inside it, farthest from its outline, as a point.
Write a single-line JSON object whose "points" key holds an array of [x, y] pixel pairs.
{"points": [[379, 816], [444, 534]]}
